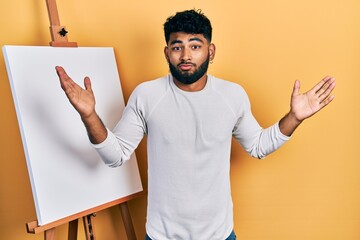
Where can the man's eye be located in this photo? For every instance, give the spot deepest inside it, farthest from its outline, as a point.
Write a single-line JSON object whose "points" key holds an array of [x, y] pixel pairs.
{"points": [[195, 47], [176, 48]]}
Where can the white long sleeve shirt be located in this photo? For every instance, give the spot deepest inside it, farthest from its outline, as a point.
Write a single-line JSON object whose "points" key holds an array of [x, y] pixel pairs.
{"points": [[188, 142]]}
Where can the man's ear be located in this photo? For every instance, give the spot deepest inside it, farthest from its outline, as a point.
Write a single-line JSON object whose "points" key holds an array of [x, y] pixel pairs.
{"points": [[166, 53], [212, 50]]}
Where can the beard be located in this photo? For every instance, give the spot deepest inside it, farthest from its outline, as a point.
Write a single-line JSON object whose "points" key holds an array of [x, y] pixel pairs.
{"points": [[186, 77]]}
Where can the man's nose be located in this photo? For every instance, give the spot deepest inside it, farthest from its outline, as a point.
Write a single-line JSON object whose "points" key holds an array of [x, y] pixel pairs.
{"points": [[185, 55]]}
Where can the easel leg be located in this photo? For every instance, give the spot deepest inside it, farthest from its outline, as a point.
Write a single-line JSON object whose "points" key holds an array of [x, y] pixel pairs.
{"points": [[125, 214], [89, 229], [49, 234], [73, 230]]}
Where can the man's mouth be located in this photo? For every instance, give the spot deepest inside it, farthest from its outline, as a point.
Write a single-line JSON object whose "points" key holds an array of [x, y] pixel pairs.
{"points": [[185, 66]]}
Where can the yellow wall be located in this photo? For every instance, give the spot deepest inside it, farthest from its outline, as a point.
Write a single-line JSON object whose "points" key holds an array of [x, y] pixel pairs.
{"points": [[309, 189]]}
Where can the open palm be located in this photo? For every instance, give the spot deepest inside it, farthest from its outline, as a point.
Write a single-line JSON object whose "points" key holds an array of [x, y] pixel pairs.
{"points": [[307, 104], [82, 99]]}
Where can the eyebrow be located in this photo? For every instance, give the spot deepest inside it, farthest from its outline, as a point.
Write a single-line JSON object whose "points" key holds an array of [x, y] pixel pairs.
{"points": [[175, 42], [190, 40]]}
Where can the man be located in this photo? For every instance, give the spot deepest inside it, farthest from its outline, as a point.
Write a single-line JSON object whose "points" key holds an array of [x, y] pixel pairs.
{"points": [[189, 118]]}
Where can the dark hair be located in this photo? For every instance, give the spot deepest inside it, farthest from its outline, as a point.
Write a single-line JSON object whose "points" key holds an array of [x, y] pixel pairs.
{"points": [[189, 21]]}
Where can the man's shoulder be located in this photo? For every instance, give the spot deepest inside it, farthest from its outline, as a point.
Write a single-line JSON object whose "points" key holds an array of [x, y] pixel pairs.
{"points": [[233, 94], [149, 92], [226, 87], [153, 87]]}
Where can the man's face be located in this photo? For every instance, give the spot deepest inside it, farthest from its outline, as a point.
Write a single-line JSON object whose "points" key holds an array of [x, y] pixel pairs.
{"points": [[188, 56]]}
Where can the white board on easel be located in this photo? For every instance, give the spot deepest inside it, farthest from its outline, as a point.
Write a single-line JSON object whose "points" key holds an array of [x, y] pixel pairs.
{"points": [[66, 174]]}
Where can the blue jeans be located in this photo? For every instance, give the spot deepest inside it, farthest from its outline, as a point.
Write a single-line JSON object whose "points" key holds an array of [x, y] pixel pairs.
{"points": [[232, 236]]}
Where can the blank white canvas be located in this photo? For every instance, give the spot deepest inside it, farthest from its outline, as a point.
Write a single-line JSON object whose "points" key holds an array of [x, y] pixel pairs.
{"points": [[66, 174]]}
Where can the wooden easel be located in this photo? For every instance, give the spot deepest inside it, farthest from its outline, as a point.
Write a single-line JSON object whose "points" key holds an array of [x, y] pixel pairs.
{"points": [[58, 32], [59, 39], [49, 229]]}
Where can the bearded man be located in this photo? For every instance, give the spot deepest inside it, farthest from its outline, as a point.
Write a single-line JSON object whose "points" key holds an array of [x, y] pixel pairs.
{"points": [[190, 118]]}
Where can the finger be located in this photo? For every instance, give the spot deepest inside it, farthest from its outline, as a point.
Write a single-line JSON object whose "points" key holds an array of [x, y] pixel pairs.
{"points": [[327, 90], [64, 78], [87, 84], [327, 101], [323, 84], [60, 72], [296, 88], [67, 84]]}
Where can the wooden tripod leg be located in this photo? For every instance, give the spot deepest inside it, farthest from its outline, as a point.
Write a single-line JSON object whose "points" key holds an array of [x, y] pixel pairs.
{"points": [[73, 230], [89, 229], [49, 234], [125, 214]]}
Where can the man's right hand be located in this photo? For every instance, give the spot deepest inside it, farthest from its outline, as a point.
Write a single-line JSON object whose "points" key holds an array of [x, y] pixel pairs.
{"points": [[82, 99]]}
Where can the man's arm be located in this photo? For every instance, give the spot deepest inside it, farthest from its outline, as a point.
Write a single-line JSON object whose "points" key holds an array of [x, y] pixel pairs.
{"points": [[305, 105], [83, 100]]}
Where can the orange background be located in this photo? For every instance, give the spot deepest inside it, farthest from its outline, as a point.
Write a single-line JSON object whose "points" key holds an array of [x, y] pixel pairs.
{"points": [[309, 189]]}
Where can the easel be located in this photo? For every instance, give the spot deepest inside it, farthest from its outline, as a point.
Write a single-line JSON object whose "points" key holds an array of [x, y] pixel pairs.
{"points": [[49, 229], [58, 32], [59, 39]]}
